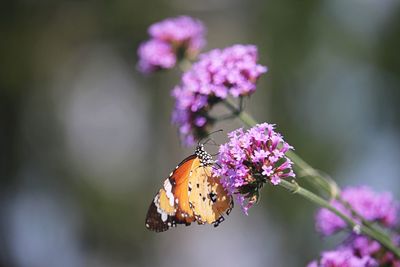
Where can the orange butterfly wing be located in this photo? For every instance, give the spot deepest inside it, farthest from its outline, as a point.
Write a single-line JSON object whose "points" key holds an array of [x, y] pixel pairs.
{"points": [[207, 197], [180, 178], [171, 204]]}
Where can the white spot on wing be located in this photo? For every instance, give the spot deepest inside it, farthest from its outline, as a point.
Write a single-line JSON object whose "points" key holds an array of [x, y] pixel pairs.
{"points": [[168, 191], [157, 203], [164, 216]]}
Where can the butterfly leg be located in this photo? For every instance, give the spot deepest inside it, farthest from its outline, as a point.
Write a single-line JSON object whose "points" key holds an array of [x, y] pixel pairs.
{"points": [[220, 220]]}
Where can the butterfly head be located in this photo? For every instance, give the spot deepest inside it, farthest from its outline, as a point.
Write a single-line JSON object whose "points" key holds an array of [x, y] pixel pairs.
{"points": [[204, 157]]}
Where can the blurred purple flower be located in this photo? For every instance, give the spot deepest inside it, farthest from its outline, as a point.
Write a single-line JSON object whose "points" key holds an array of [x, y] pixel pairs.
{"points": [[358, 250], [343, 257], [389, 259], [219, 73], [182, 31], [250, 159], [364, 246], [328, 223], [171, 39], [155, 55], [372, 206]]}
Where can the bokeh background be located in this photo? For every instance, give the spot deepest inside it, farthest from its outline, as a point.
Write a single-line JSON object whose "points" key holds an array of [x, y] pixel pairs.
{"points": [[86, 140]]}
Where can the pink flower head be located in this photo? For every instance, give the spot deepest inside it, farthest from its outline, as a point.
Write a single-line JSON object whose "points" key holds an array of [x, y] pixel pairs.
{"points": [[364, 246], [343, 257], [219, 73], [358, 250], [182, 31], [374, 207], [250, 159], [387, 258], [155, 55], [170, 40]]}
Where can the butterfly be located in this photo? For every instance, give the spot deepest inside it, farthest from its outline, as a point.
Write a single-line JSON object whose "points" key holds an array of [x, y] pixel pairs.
{"points": [[189, 194]]}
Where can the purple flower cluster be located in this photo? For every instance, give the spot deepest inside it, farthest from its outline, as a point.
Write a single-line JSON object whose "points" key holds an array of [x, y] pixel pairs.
{"points": [[370, 205], [171, 38], [156, 54], [343, 257], [357, 251], [181, 30], [219, 73], [250, 159]]}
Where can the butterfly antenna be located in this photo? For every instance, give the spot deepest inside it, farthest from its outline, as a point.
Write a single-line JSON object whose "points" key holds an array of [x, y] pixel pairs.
{"points": [[210, 140], [214, 143], [200, 141], [206, 142]]}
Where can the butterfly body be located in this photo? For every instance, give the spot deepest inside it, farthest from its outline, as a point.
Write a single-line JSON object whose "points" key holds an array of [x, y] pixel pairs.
{"points": [[189, 194]]}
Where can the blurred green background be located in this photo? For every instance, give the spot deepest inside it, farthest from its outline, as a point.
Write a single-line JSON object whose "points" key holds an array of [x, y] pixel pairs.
{"points": [[86, 140]]}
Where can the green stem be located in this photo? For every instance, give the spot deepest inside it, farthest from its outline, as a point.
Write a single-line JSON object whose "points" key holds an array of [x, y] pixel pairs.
{"points": [[328, 186], [319, 181], [297, 189], [247, 119], [355, 214], [303, 167], [184, 64]]}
